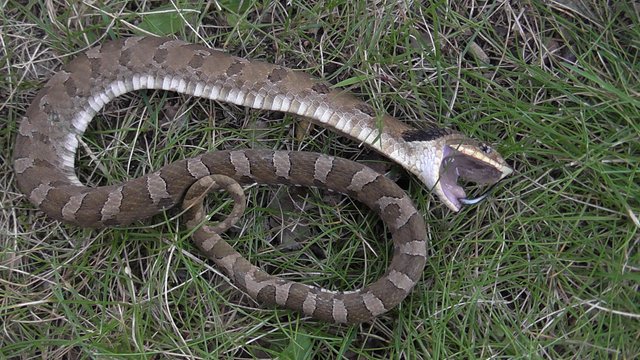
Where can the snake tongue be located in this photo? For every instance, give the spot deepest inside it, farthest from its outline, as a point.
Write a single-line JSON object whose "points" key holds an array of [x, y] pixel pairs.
{"points": [[457, 165]]}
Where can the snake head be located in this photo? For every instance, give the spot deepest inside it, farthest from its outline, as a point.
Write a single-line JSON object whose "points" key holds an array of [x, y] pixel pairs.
{"points": [[444, 156]]}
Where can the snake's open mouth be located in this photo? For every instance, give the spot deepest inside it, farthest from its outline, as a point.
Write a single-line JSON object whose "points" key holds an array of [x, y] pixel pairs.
{"points": [[472, 166]]}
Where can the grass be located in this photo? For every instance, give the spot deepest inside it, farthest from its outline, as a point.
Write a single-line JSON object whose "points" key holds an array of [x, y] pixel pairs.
{"points": [[546, 268]]}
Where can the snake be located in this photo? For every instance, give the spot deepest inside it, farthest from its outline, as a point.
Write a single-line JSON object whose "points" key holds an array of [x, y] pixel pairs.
{"points": [[48, 137]]}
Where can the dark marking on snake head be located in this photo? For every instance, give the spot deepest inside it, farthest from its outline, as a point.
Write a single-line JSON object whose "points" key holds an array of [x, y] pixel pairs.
{"points": [[366, 109], [425, 134], [486, 148], [320, 88], [235, 68], [277, 74]]}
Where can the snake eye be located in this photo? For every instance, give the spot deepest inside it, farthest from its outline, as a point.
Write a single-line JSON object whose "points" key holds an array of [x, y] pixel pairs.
{"points": [[485, 148]]}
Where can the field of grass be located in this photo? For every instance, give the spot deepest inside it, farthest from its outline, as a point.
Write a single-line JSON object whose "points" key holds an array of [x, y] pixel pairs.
{"points": [[548, 267]]}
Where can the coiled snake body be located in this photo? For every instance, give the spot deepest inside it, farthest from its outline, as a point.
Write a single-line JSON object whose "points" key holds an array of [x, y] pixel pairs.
{"points": [[47, 141]]}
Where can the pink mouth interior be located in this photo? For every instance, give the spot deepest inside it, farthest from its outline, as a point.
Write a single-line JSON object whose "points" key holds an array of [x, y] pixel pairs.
{"points": [[456, 165]]}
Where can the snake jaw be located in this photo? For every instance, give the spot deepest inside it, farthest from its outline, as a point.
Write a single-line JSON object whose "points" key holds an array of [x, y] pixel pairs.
{"points": [[472, 161], [443, 159], [439, 157]]}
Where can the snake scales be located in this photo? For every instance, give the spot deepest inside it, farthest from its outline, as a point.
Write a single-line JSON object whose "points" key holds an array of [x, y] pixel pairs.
{"points": [[47, 140]]}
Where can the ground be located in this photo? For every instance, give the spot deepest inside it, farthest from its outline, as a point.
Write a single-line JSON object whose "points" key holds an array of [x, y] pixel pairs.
{"points": [[547, 267]]}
